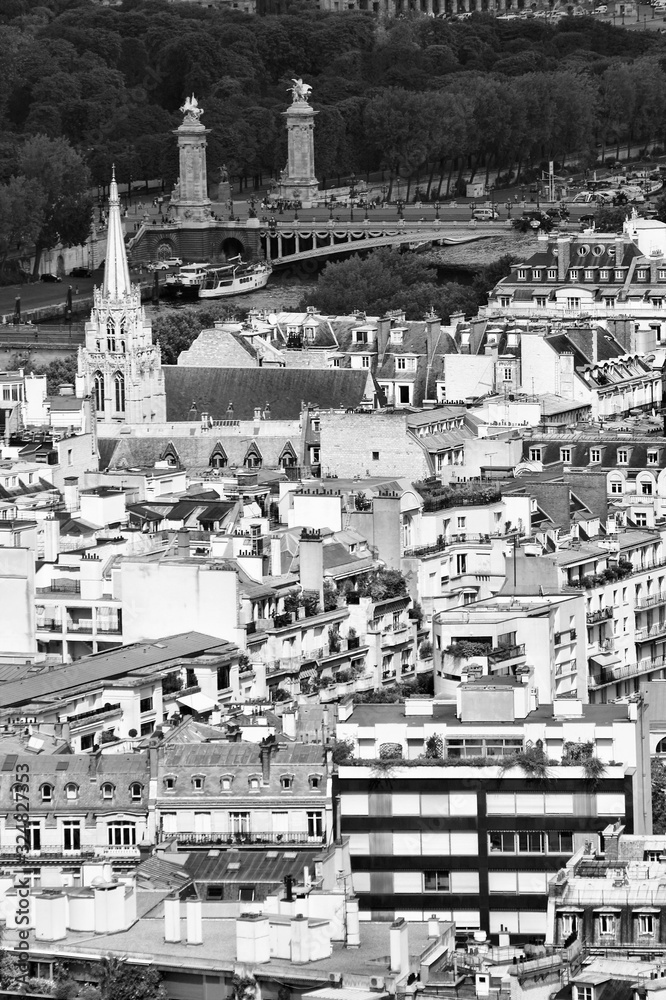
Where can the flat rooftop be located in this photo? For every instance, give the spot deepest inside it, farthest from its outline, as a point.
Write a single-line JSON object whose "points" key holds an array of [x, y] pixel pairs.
{"points": [[386, 715]]}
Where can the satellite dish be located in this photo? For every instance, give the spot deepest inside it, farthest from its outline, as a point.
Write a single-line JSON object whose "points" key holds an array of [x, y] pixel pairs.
{"points": [[272, 319]]}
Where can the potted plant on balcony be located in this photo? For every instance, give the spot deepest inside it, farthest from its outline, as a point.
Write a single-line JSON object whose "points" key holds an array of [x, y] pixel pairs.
{"points": [[353, 640]]}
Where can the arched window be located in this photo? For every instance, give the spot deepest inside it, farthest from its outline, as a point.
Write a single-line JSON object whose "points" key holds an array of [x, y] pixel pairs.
{"points": [[98, 391], [119, 392], [218, 458], [288, 457], [110, 335], [252, 458], [123, 335]]}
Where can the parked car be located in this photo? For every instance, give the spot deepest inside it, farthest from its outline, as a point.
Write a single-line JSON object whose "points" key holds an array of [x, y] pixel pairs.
{"points": [[164, 265], [50, 277], [485, 214], [80, 272]]}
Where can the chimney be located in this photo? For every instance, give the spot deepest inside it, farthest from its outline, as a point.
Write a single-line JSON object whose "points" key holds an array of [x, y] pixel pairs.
{"points": [[383, 334], [257, 414], [267, 411], [82, 911], [194, 923], [50, 916], [433, 332], [288, 888], [289, 725], [353, 923], [183, 544], [66, 389], [71, 493], [172, 919], [230, 412], [276, 556], [399, 947], [266, 748], [300, 940], [51, 539], [611, 835], [563, 257], [433, 927], [311, 556], [109, 908], [253, 942], [619, 250]]}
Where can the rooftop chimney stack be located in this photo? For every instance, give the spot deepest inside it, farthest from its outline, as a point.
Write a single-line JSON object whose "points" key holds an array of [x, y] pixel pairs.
{"points": [[172, 919], [253, 943], [311, 555], [399, 947], [194, 922]]}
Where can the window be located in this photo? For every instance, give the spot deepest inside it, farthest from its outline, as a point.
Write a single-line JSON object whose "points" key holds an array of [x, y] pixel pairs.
{"points": [[574, 273], [461, 563], [607, 923], [640, 519], [589, 274], [34, 832], [604, 274], [530, 843], [505, 301], [504, 843], [461, 522], [645, 923], [98, 391], [72, 791], [401, 364], [616, 486], [226, 781], [573, 302], [365, 361], [541, 301], [119, 392], [585, 992], [146, 704], [565, 454], [522, 274], [535, 454], [622, 456], [315, 781], [71, 835], [646, 487], [135, 791], [652, 457], [121, 833], [552, 274], [169, 783], [214, 891], [595, 454], [239, 822], [198, 783], [286, 782], [315, 824], [246, 893], [254, 784], [403, 393], [536, 274], [146, 728], [641, 274], [87, 742], [375, 456], [107, 790], [70, 460], [609, 301], [437, 882], [560, 842], [47, 793]]}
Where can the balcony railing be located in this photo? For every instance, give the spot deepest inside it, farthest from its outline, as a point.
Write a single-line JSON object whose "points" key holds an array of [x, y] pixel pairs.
{"points": [[246, 839], [646, 634], [61, 587], [650, 602], [102, 710], [505, 653], [446, 541], [610, 675], [599, 616], [433, 503], [83, 625], [109, 629]]}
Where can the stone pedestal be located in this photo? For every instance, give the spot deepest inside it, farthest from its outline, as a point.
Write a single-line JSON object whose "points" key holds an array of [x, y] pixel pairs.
{"points": [[189, 200], [298, 181]]}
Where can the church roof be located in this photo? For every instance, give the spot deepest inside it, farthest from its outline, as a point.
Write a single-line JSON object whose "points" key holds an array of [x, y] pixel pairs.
{"points": [[214, 389], [117, 282]]}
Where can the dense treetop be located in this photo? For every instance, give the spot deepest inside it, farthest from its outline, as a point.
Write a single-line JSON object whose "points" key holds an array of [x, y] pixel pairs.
{"points": [[402, 95]]}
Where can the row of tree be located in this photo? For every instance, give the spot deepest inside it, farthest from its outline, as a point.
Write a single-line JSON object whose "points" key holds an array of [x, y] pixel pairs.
{"points": [[84, 86]]}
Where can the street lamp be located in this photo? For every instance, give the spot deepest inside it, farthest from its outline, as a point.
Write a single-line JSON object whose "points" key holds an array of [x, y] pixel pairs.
{"points": [[330, 211], [352, 195], [384, 191], [437, 211], [538, 193], [400, 205]]}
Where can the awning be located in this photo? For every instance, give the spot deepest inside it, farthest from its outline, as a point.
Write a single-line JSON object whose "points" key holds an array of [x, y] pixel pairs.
{"points": [[307, 671], [198, 702], [606, 659], [523, 294]]}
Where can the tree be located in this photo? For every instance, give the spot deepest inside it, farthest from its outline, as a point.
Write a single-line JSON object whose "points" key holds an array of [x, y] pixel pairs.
{"points": [[22, 204], [609, 220], [64, 180], [119, 981], [61, 371], [658, 773]]}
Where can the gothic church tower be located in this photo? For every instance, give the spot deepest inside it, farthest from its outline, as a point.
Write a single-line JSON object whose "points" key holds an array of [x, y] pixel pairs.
{"points": [[120, 367]]}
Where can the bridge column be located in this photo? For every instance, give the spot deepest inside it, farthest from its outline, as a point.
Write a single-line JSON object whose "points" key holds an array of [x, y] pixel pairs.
{"points": [[279, 239], [297, 242]]}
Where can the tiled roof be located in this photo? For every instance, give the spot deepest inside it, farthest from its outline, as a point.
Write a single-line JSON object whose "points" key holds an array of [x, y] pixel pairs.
{"points": [[195, 451], [213, 389], [88, 773]]}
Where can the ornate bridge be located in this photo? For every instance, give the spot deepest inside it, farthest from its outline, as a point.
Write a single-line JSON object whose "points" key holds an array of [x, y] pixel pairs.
{"points": [[307, 243], [302, 244]]}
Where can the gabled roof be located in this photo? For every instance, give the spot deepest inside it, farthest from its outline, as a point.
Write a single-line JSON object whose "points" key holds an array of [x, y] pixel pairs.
{"points": [[213, 389]]}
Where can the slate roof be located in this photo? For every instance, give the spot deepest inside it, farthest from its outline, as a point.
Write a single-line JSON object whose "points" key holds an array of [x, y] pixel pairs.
{"points": [[253, 866], [88, 773], [581, 453], [112, 663], [157, 872], [219, 348], [195, 451], [213, 389]]}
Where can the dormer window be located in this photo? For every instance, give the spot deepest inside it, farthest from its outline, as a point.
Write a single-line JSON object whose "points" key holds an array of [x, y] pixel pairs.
{"points": [[170, 783], [286, 782], [661, 274], [198, 782], [47, 793], [574, 273], [589, 274], [71, 791], [584, 992], [522, 274], [552, 274], [622, 456], [254, 782], [226, 781], [653, 458], [595, 455], [641, 274], [619, 274], [107, 790], [135, 791], [565, 454], [315, 781], [360, 337], [536, 274], [604, 274], [396, 336], [535, 454]]}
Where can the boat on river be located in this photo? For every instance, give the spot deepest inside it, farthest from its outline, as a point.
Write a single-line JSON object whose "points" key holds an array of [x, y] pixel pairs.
{"points": [[188, 280], [234, 278]]}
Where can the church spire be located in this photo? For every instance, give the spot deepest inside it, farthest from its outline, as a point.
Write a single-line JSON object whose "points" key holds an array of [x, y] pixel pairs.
{"points": [[117, 283]]}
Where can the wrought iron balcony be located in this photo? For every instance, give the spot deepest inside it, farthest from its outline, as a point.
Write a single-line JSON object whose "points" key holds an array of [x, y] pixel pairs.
{"points": [[502, 653], [599, 616], [244, 839]]}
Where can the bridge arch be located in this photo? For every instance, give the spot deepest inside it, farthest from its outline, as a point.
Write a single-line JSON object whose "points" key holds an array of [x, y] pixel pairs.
{"points": [[232, 247]]}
